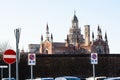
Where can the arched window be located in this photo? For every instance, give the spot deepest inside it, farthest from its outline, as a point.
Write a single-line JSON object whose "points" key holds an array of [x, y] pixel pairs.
{"points": [[45, 51], [99, 50]]}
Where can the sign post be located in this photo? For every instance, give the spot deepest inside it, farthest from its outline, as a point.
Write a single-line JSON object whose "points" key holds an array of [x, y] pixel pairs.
{"points": [[31, 62], [94, 60], [9, 57], [2, 67], [9, 71]]}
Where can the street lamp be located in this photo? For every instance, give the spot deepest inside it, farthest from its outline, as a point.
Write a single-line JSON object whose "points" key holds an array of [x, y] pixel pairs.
{"points": [[17, 36]]}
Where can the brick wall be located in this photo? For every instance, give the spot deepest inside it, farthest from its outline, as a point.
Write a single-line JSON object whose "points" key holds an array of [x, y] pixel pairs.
{"points": [[63, 65]]}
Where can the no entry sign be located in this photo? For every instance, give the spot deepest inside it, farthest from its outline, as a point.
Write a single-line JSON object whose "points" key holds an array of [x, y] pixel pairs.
{"points": [[9, 56]]}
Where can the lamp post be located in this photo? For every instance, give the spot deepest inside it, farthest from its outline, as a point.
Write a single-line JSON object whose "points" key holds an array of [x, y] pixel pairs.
{"points": [[17, 36]]}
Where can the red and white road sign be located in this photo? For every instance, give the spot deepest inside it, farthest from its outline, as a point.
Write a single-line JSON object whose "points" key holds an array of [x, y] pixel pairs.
{"points": [[31, 59], [9, 56]]}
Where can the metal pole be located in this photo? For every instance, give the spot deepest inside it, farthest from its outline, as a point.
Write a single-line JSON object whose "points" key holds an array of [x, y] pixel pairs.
{"points": [[17, 36], [17, 61], [1, 73], [9, 71], [94, 71], [16, 33], [2, 67], [31, 72]]}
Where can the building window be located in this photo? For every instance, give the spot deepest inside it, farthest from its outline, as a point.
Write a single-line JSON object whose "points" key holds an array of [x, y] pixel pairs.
{"points": [[45, 51], [99, 50]]}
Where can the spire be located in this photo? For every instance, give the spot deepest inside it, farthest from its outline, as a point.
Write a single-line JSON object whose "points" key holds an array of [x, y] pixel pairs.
{"points": [[47, 32], [41, 38], [51, 37], [99, 33], [68, 39], [106, 37], [47, 28], [74, 12], [93, 36], [98, 28], [67, 42], [75, 17]]}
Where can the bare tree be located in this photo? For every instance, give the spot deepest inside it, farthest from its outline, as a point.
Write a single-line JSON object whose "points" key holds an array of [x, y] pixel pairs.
{"points": [[4, 46]]}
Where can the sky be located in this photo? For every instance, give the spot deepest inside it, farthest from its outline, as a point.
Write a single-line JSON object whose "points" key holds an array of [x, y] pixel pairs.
{"points": [[33, 15]]}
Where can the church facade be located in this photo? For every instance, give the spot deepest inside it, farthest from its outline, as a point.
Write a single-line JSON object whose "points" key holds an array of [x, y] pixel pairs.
{"points": [[75, 42]]}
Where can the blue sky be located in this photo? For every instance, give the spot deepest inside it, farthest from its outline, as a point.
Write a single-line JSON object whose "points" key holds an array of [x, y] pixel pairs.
{"points": [[33, 15]]}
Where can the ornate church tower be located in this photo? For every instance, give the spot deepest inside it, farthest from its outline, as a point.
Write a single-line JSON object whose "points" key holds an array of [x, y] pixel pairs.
{"points": [[46, 47], [100, 45], [75, 32]]}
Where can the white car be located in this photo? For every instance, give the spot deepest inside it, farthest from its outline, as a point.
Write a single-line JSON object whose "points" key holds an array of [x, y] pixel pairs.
{"points": [[96, 78], [8, 79], [44, 79], [67, 78], [113, 78]]}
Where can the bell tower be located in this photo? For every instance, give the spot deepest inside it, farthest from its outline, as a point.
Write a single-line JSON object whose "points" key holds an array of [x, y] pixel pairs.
{"points": [[87, 35], [75, 32]]}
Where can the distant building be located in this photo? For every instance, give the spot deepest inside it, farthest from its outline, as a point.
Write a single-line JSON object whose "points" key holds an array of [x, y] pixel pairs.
{"points": [[75, 43], [34, 48]]}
